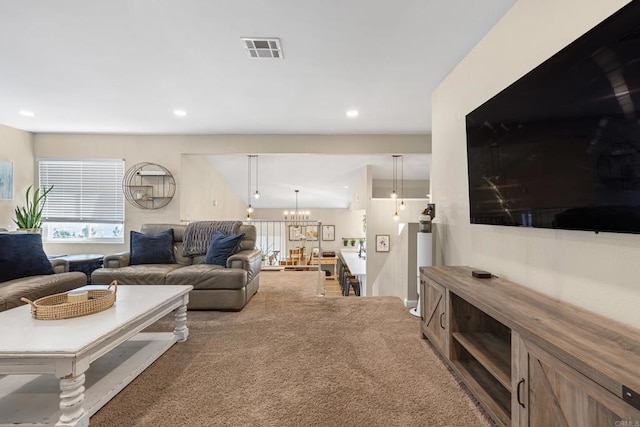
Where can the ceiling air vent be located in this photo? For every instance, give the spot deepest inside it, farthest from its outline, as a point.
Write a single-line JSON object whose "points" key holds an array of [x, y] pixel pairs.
{"points": [[262, 48]]}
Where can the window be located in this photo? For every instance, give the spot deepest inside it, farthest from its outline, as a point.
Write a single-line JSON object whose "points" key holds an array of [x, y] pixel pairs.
{"points": [[86, 203]]}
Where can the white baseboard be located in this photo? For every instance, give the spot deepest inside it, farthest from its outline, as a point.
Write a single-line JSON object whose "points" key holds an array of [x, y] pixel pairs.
{"points": [[410, 303]]}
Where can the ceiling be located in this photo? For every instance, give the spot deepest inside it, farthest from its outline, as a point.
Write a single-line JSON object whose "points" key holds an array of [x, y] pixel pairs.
{"points": [[324, 181], [122, 66]]}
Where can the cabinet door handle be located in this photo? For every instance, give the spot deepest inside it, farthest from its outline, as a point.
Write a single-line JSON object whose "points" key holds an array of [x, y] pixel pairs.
{"points": [[441, 316], [521, 382]]}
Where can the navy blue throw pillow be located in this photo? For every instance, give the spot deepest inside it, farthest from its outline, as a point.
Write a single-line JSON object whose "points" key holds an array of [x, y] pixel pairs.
{"points": [[152, 248], [21, 255], [222, 246]]}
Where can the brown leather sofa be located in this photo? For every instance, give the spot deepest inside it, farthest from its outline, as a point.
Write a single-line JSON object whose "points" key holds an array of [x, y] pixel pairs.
{"points": [[214, 287], [34, 287]]}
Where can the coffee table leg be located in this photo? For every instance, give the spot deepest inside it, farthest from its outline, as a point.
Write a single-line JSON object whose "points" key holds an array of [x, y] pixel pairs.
{"points": [[71, 400], [181, 331]]}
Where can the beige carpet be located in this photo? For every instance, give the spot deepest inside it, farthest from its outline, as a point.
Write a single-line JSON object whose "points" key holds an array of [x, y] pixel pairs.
{"points": [[293, 359]]}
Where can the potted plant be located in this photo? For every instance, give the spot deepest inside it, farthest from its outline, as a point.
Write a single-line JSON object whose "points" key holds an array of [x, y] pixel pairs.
{"points": [[345, 241], [353, 242], [29, 217]]}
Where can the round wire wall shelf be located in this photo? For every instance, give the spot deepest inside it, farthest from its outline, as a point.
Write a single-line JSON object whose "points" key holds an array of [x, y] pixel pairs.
{"points": [[148, 186]]}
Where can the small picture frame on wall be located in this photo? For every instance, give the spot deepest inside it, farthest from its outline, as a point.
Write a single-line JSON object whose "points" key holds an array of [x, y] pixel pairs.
{"points": [[296, 232], [311, 233], [382, 242], [6, 180], [328, 233]]}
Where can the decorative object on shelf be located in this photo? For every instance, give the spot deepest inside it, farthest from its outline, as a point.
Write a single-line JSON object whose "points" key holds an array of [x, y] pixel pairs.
{"points": [[345, 241], [6, 180], [426, 218], [29, 216], [58, 306], [148, 186], [77, 296], [382, 242], [328, 233], [353, 242]]}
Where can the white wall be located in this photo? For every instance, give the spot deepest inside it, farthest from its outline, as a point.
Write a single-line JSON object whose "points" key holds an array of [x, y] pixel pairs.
{"points": [[16, 146], [205, 194], [398, 275], [362, 192], [413, 189], [380, 221], [598, 272]]}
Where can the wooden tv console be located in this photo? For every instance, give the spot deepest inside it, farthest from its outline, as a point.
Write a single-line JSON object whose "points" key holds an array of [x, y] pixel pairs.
{"points": [[532, 360]]}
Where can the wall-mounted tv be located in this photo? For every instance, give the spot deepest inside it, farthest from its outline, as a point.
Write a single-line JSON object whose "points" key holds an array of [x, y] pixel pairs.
{"points": [[560, 147]]}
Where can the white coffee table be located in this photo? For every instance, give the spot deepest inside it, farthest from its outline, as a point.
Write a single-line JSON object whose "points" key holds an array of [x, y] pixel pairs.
{"points": [[103, 352]]}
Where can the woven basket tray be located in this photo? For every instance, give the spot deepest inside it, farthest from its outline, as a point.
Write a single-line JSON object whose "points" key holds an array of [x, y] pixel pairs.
{"points": [[56, 307]]}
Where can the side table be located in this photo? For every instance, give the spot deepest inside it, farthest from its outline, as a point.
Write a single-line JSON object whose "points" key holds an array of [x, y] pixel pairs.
{"points": [[84, 263]]}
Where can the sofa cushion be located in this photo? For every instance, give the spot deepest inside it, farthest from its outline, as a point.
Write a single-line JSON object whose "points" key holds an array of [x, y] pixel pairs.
{"points": [[152, 248], [178, 234], [250, 235], [222, 246], [21, 255], [149, 274], [34, 287], [207, 276]]}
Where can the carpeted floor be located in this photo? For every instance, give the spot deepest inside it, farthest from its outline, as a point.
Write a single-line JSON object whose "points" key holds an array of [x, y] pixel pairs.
{"points": [[293, 359]]}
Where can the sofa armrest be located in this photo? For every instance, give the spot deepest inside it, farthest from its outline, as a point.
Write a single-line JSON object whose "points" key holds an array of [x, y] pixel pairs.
{"points": [[59, 265], [250, 260], [118, 260]]}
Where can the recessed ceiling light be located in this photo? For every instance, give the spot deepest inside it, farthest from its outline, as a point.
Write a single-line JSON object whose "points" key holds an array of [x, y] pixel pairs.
{"points": [[352, 113], [27, 113], [346, 187], [180, 113]]}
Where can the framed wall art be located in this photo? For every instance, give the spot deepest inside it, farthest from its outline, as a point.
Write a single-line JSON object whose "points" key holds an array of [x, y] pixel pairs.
{"points": [[6, 180], [328, 232], [311, 232], [382, 242], [296, 232]]}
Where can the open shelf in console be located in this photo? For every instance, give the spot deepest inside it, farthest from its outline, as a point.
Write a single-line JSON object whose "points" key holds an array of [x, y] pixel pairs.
{"points": [[481, 352], [493, 396]]}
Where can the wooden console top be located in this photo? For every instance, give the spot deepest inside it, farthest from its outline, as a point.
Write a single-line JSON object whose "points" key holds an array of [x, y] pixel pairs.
{"points": [[602, 349]]}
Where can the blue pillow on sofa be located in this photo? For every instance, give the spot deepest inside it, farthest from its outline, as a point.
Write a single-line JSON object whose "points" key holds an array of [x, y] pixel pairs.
{"points": [[21, 255], [151, 248], [222, 246]]}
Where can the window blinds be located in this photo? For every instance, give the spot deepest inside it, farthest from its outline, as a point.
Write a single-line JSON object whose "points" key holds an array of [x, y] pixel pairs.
{"points": [[87, 191]]}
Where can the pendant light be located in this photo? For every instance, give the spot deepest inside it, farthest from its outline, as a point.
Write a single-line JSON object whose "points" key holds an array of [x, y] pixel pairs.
{"points": [[256, 195], [249, 208], [402, 205], [394, 192]]}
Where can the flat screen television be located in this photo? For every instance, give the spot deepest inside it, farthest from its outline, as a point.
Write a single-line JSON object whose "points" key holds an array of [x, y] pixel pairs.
{"points": [[560, 147]]}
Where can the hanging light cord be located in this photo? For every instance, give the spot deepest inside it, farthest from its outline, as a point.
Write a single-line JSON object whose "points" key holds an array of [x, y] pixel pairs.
{"points": [[249, 181], [402, 178]]}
